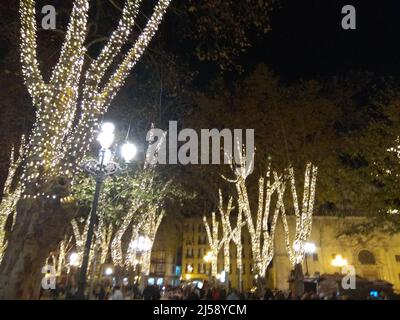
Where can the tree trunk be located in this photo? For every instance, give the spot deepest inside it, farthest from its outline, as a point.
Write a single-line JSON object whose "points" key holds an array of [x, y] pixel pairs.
{"points": [[41, 224], [298, 288]]}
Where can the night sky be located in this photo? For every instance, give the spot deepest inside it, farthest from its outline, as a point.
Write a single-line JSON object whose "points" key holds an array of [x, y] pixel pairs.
{"points": [[307, 40]]}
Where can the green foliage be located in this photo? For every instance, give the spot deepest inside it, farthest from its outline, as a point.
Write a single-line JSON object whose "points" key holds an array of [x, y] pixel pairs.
{"points": [[121, 193]]}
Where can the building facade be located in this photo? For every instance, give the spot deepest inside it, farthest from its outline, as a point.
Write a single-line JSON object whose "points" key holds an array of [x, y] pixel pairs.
{"points": [[166, 253], [374, 257]]}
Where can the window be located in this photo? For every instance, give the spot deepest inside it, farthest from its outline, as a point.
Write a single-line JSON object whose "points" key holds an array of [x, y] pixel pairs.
{"points": [[397, 257], [202, 239], [189, 253], [366, 257], [315, 257]]}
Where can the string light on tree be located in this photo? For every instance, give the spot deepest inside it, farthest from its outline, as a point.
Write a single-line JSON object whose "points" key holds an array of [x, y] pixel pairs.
{"points": [[61, 136], [303, 217]]}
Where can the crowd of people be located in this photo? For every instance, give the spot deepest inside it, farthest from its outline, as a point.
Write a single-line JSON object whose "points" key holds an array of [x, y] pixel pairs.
{"points": [[185, 291]]}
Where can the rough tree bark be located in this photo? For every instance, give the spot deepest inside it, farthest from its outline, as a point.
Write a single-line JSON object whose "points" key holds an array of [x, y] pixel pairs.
{"points": [[40, 226]]}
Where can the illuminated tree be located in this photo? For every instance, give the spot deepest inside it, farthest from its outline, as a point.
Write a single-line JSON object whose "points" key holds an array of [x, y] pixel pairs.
{"points": [[80, 237], [58, 258], [303, 214], [68, 109], [261, 223], [150, 228], [10, 196], [214, 242], [235, 234]]}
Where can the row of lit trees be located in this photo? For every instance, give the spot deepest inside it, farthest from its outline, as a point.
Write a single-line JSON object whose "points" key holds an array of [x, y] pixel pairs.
{"points": [[261, 218]]}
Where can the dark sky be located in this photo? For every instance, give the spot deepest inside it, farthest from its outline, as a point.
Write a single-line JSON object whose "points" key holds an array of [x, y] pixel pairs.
{"points": [[307, 39]]}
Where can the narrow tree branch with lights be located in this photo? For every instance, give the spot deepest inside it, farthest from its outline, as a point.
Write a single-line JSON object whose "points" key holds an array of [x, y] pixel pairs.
{"points": [[68, 109]]}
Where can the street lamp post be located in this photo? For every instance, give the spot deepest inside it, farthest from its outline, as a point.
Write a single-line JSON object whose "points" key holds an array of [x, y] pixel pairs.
{"points": [[100, 169], [339, 262]]}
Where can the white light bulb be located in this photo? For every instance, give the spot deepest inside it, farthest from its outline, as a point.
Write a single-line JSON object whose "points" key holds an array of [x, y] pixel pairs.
{"points": [[109, 271], [128, 151], [107, 127], [106, 139]]}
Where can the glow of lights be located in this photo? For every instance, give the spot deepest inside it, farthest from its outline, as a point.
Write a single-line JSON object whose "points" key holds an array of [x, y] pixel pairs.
{"points": [[188, 277], [310, 248], [105, 139], [141, 244], [128, 151], [208, 257], [109, 271], [74, 259], [60, 137], [108, 127], [222, 276], [339, 261], [259, 224], [303, 216], [10, 197]]}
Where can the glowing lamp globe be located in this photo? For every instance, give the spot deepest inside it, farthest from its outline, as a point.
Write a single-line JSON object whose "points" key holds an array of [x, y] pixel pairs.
{"points": [[106, 136], [128, 151], [107, 127]]}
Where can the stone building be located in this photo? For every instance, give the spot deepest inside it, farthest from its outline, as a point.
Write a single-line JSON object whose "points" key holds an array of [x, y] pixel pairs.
{"points": [[180, 248]]}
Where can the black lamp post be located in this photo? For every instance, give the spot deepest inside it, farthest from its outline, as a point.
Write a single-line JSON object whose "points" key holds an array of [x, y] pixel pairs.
{"points": [[100, 169]]}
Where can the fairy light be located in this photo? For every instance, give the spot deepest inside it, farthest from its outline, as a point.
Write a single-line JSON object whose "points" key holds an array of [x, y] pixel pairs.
{"points": [[261, 236], [304, 217], [116, 244], [150, 228], [56, 145], [213, 241], [228, 233], [10, 197], [96, 100]]}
